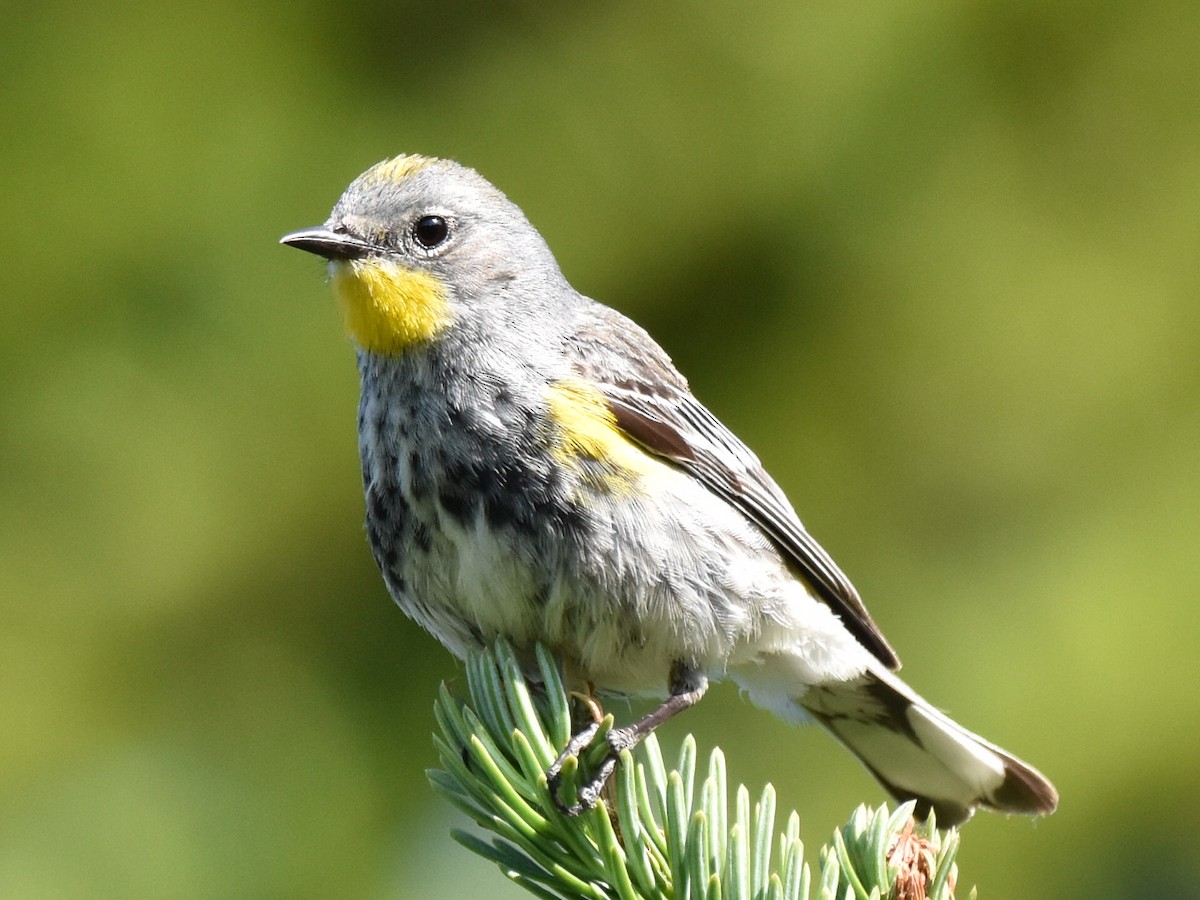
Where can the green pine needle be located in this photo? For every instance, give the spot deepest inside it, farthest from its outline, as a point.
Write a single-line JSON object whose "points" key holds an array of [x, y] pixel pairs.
{"points": [[657, 834]]}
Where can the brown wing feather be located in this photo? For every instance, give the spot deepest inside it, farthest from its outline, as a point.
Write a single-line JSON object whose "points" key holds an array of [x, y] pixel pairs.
{"points": [[653, 405]]}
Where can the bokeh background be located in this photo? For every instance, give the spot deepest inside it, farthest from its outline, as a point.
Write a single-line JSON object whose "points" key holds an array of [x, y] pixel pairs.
{"points": [[938, 263]]}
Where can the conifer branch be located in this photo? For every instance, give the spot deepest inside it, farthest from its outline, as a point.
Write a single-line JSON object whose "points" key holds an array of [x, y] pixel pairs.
{"points": [[657, 833]]}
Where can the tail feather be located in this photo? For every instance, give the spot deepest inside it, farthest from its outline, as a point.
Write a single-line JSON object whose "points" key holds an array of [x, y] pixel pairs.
{"points": [[918, 753]]}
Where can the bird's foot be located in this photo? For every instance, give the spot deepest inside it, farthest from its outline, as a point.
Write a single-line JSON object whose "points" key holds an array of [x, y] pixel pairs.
{"points": [[587, 764]]}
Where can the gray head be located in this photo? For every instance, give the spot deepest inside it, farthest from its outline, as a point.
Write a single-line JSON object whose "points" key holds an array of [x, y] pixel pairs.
{"points": [[415, 242]]}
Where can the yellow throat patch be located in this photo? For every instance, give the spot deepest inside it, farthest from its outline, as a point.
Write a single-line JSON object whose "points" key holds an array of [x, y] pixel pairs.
{"points": [[389, 308]]}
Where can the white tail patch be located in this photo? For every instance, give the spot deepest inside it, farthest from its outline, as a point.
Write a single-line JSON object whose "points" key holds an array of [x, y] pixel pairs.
{"points": [[915, 751]]}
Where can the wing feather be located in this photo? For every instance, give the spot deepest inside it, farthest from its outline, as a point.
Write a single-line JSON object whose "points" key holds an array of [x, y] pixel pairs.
{"points": [[654, 406]]}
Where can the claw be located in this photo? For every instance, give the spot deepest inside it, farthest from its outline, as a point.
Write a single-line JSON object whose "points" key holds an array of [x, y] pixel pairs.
{"points": [[687, 686], [616, 740], [590, 703], [575, 746], [589, 794]]}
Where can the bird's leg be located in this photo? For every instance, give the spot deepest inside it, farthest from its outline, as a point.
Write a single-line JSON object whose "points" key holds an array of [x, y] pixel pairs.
{"points": [[686, 687]]}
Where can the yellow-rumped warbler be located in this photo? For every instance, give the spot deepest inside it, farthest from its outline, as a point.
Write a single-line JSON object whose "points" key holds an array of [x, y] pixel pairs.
{"points": [[535, 468]]}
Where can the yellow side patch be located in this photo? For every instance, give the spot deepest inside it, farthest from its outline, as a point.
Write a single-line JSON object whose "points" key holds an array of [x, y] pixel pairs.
{"points": [[397, 169], [588, 431], [389, 308]]}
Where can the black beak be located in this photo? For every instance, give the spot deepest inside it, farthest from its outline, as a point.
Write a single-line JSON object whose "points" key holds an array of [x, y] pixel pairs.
{"points": [[326, 243]]}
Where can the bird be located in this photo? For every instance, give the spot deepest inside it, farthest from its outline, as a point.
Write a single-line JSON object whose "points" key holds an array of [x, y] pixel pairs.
{"points": [[536, 469]]}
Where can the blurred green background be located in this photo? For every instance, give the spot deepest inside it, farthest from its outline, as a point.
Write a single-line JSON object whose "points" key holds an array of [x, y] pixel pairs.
{"points": [[937, 263]]}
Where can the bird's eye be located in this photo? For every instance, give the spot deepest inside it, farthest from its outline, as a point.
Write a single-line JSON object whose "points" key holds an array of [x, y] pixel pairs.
{"points": [[429, 231]]}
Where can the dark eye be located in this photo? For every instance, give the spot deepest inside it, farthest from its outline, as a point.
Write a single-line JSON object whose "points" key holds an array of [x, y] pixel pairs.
{"points": [[430, 231]]}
